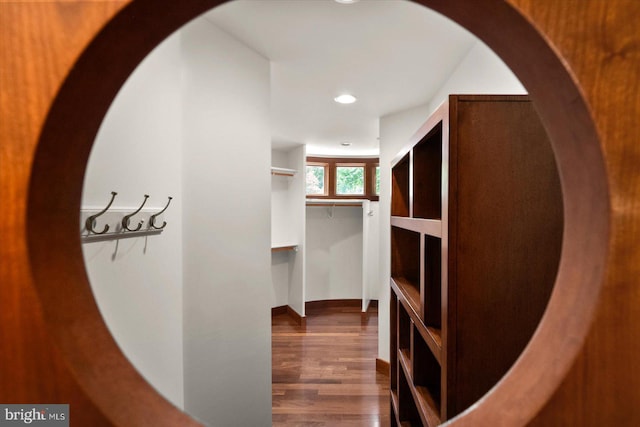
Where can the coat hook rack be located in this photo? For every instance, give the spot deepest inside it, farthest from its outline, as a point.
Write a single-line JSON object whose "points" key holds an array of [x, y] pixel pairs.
{"points": [[126, 218], [152, 219], [91, 221]]}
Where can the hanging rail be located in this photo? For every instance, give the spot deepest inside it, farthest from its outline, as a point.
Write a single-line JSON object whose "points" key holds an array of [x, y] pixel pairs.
{"points": [[336, 202]]}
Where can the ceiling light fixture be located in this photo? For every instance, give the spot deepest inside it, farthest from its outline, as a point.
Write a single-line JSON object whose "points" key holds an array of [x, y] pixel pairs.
{"points": [[346, 1], [345, 98]]}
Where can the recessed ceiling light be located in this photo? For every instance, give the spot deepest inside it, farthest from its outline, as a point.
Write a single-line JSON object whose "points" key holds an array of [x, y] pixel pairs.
{"points": [[345, 144], [345, 98], [346, 1]]}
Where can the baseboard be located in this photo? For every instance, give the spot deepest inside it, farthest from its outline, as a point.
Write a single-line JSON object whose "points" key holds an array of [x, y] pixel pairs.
{"points": [[311, 306], [285, 309], [373, 305], [275, 311], [301, 321], [382, 367], [316, 307]]}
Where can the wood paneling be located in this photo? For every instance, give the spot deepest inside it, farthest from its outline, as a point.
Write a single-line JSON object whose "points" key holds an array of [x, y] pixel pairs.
{"points": [[39, 42], [56, 348], [508, 221], [594, 313]]}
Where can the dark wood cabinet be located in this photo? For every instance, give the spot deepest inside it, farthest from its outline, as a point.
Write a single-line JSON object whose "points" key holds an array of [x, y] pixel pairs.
{"points": [[476, 234]]}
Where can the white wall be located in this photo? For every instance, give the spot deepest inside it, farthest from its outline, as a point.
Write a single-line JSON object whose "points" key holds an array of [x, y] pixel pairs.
{"points": [[480, 72], [226, 190], [137, 282], [190, 307], [334, 253]]}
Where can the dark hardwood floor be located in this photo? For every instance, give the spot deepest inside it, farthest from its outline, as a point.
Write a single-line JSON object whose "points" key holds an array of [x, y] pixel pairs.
{"points": [[326, 375]]}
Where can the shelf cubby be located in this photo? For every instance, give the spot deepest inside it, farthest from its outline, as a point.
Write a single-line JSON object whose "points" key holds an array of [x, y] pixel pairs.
{"points": [[427, 175], [427, 376], [407, 409], [395, 420], [431, 296], [404, 329], [405, 263], [400, 188]]}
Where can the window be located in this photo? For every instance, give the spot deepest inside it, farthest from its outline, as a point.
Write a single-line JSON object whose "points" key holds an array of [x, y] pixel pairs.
{"points": [[343, 178], [350, 179], [316, 179]]}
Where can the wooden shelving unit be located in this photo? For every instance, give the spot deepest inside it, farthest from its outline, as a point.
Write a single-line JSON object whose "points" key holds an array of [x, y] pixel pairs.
{"points": [[476, 233]]}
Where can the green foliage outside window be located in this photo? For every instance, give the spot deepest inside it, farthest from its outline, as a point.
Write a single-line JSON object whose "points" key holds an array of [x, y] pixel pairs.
{"points": [[315, 180], [350, 180]]}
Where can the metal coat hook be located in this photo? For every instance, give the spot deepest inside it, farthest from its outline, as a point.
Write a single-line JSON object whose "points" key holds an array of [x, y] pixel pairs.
{"points": [[152, 219], [91, 221], [125, 220]]}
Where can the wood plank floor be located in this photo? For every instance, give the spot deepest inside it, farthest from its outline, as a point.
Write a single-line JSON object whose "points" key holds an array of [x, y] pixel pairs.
{"points": [[326, 375]]}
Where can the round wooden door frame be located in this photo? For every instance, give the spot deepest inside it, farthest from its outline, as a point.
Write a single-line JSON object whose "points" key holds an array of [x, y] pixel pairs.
{"points": [[63, 149]]}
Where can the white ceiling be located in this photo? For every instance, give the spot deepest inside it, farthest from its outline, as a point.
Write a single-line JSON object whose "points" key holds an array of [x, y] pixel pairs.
{"points": [[390, 54]]}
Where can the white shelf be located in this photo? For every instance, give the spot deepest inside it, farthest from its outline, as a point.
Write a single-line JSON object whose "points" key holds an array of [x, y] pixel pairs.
{"points": [[284, 247], [283, 171]]}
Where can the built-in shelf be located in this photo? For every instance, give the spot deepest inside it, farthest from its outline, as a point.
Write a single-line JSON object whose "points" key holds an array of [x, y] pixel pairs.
{"points": [[427, 406], [426, 201], [400, 187], [283, 171], [284, 248], [394, 406], [406, 296], [432, 227], [288, 229], [476, 236]]}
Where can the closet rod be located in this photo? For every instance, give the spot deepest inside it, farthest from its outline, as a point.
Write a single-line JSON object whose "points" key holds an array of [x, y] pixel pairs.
{"points": [[359, 205]]}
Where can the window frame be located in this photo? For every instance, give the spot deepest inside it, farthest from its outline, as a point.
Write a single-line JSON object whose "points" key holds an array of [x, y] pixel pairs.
{"points": [[331, 163], [375, 171]]}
